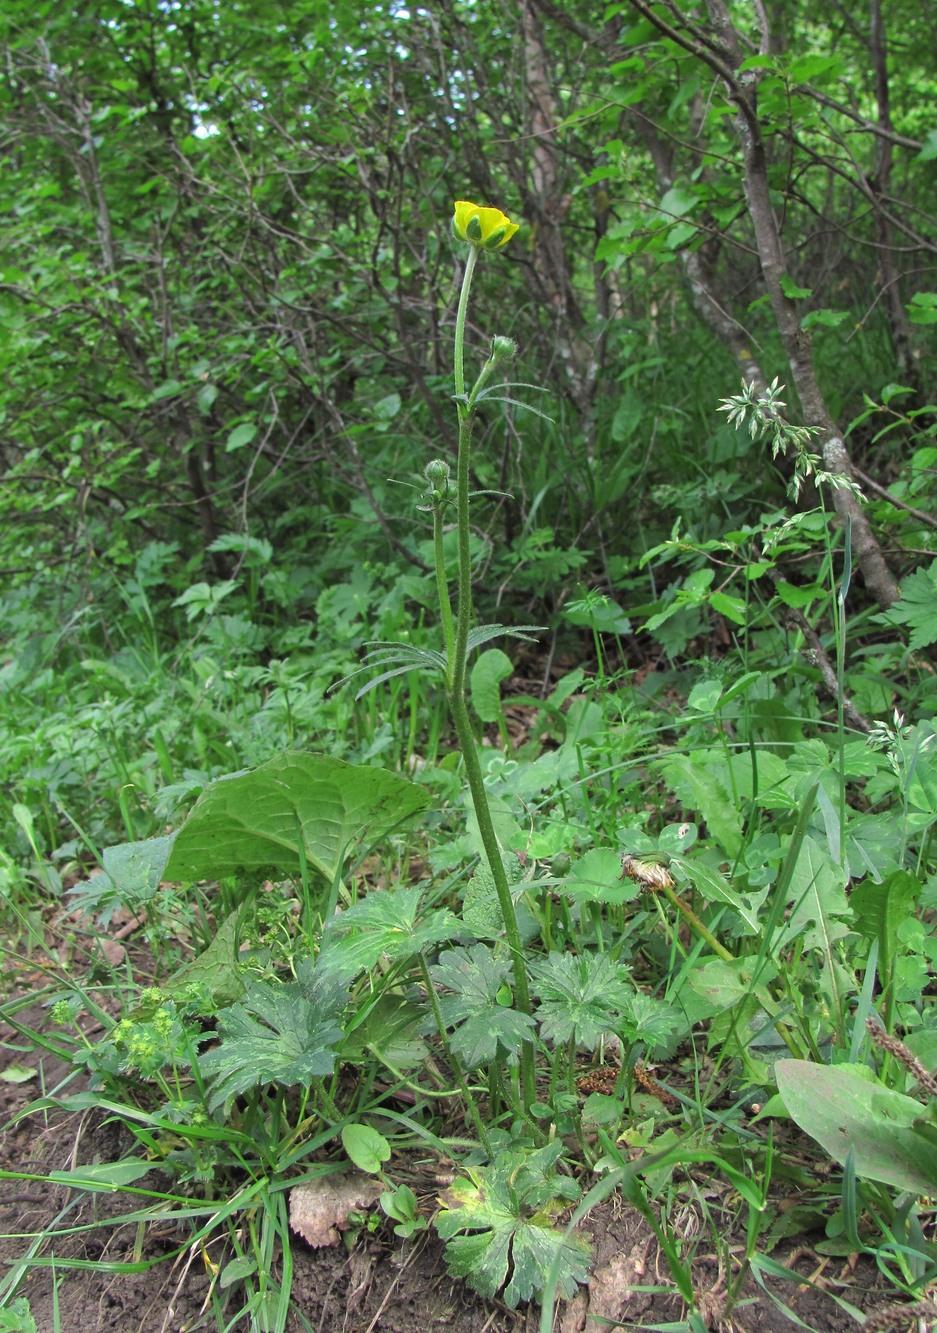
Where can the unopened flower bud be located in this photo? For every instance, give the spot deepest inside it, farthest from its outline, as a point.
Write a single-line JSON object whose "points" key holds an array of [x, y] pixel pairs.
{"points": [[503, 349], [437, 472]]}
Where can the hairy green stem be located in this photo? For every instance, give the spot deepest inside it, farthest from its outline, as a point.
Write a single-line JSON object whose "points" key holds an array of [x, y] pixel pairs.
{"points": [[476, 782], [442, 587], [464, 621], [460, 322], [455, 683]]}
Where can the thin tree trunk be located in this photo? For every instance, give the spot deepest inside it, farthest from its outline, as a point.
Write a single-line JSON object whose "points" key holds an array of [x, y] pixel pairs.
{"points": [[879, 187], [545, 200], [720, 50]]}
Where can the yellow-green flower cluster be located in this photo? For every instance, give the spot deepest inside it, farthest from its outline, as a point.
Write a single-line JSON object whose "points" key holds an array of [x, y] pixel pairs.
{"points": [[485, 228]]}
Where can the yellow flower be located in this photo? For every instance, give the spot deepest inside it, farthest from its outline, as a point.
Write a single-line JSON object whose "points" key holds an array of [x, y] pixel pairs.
{"points": [[485, 228]]}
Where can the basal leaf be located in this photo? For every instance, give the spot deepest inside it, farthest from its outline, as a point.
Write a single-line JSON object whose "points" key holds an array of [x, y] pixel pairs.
{"points": [[282, 1032], [846, 1111], [262, 818], [508, 1210], [580, 997], [702, 784], [596, 877], [483, 1028], [817, 895], [215, 972], [383, 924], [367, 1148]]}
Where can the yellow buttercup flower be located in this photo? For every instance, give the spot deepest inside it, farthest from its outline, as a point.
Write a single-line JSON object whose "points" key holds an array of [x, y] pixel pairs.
{"points": [[485, 228]]}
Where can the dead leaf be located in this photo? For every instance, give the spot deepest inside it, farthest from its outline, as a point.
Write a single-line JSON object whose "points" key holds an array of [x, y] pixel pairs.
{"points": [[319, 1209], [612, 1294], [113, 951]]}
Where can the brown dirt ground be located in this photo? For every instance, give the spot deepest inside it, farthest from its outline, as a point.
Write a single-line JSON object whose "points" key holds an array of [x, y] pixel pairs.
{"points": [[383, 1285]]}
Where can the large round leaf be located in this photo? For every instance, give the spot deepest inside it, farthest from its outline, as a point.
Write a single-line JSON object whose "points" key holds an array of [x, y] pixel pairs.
{"points": [[308, 801]]}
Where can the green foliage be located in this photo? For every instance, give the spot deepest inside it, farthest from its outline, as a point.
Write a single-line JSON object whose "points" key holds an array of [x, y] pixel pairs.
{"points": [[476, 1007], [383, 925], [283, 1033], [509, 1210], [17, 1318], [888, 1136], [295, 808], [580, 998], [401, 1206], [489, 670], [226, 295], [917, 607], [368, 1149], [480, 910]]}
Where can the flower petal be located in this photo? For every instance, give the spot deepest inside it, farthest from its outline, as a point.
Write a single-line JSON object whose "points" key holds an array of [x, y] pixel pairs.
{"points": [[486, 228]]}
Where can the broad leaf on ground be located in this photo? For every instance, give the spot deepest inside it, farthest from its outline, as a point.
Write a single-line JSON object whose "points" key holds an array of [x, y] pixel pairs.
{"points": [[510, 1208], [891, 1136], [296, 801], [282, 1032]]}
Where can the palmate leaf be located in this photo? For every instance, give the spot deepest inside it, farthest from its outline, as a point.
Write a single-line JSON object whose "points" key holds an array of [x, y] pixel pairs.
{"points": [[650, 1021], [580, 997], [384, 924], [917, 607], [515, 402], [481, 907], [485, 633], [282, 1032], [484, 1030], [509, 1209], [399, 658]]}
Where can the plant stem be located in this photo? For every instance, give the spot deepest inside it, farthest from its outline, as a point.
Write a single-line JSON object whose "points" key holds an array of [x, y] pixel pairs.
{"points": [[460, 323], [722, 952], [455, 684], [442, 586], [456, 1065], [489, 839]]}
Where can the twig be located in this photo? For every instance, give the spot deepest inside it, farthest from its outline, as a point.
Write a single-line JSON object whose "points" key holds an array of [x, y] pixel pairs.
{"points": [[899, 504]]}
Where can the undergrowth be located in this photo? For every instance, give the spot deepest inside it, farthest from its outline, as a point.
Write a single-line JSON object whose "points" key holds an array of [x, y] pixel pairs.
{"points": [[576, 925]]}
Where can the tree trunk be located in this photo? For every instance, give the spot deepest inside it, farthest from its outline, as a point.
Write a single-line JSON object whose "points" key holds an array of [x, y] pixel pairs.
{"points": [[720, 50]]}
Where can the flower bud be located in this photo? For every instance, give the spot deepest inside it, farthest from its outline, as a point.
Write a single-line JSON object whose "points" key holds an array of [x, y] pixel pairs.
{"points": [[503, 349], [437, 472]]}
